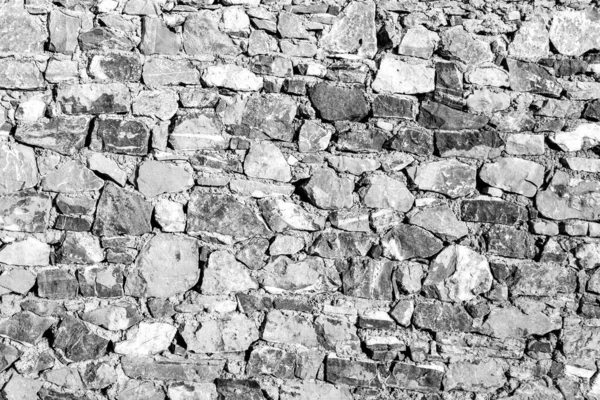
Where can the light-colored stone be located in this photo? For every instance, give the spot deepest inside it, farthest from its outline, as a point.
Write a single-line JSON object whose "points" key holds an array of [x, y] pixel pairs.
{"points": [[224, 274], [28, 252], [514, 175], [169, 215], [510, 322], [418, 42], [531, 41], [290, 327], [282, 214], [156, 177], [488, 75], [583, 137], [232, 77], [105, 166], [264, 160], [147, 338], [396, 76], [465, 46], [156, 103], [326, 190], [574, 32], [583, 164], [486, 101], [449, 177], [18, 168], [71, 177], [525, 144], [380, 191], [20, 74]]}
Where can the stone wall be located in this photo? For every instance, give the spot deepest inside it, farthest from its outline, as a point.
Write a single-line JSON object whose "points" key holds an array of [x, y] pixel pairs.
{"points": [[286, 200]]}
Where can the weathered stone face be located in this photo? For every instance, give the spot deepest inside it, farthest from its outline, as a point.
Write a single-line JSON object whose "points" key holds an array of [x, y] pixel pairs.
{"points": [[22, 75], [121, 212], [20, 31], [337, 103], [91, 98], [65, 135]]}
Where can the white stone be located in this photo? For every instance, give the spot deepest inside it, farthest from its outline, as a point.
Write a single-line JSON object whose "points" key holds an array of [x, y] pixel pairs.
{"points": [[18, 168], [531, 41], [192, 391], [418, 42], [584, 137], [573, 32], [169, 215], [147, 338], [525, 144], [224, 274], [235, 19], [486, 101], [265, 160], [105, 166], [28, 252], [232, 77], [583, 164], [397, 76]]}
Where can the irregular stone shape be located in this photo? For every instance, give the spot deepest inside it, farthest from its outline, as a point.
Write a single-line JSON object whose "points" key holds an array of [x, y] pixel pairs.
{"points": [[148, 368], [157, 38], [18, 281], [65, 377], [510, 322], [18, 168], [25, 327], [488, 75], [107, 167], [289, 327], [259, 189], [418, 42], [146, 338], [28, 252], [62, 134], [235, 333], [392, 106], [222, 214], [56, 284], [414, 377], [313, 137], [352, 165], [169, 215], [19, 388], [201, 36], [80, 248], [351, 372], [20, 32], [332, 244], [336, 103], [487, 102], [232, 77], [75, 341], [514, 175], [541, 279], [264, 160], [326, 190], [524, 144], [195, 131], [380, 191], [530, 77], [509, 242], [334, 332], [71, 177], [284, 244], [163, 71], [449, 85], [98, 375], [155, 177], [531, 41], [223, 274], [24, 211], [440, 220], [290, 25], [573, 32], [463, 46], [492, 211], [162, 104], [243, 389], [313, 391], [584, 137], [353, 32], [116, 67], [114, 318], [10, 354], [449, 177], [582, 164], [64, 30], [478, 376], [368, 278], [439, 116], [273, 65], [458, 274], [102, 39], [121, 212], [282, 214], [271, 361], [94, 98], [440, 317], [270, 114], [192, 391], [412, 140], [151, 279], [361, 139], [403, 242], [397, 76], [21, 75], [283, 274]]}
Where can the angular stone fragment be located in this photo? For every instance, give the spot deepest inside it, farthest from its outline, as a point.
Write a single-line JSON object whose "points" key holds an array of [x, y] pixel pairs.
{"points": [[19, 388], [64, 135], [157, 38], [351, 372], [64, 30], [20, 32], [524, 144], [20, 75], [146, 338], [24, 211], [541, 279], [531, 41], [472, 144], [336, 103], [403, 242], [326, 190], [243, 389], [98, 375], [265, 160], [10, 354], [414, 377], [440, 317], [201, 36], [189, 391], [94, 98], [80, 248], [393, 106], [223, 274], [418, 42], [155, 177], [368, 279], [492, 211], [334, 244], [510, 322], [568, 197], [121, 212], [75, 341], [530, 77], [380, 191], [573, 32], [307, 390], [149, 278], [582, 164], [478, 376], [439, 116], [397, 76], [458, 273], [270, 114], [282, 214], [102, 39], [197, 131], [18, 167], [28, 252], [71, 177], [449, 85], [116, 67], [25, 327], [313, 137], [105, 166], [224, 215], [114, 318], [584, 137], [17, 281], [163, 71], [156, 103], [487, 102], [352, 165], [274, 66], [283, 274], [170, 216], [289, 327], [488, 75], [509, 242], [449, 177], [463, 46], [353, 32], [56, 284], [231, 76], [412, 140], [61, 71], [235, 333], [440, 220]]}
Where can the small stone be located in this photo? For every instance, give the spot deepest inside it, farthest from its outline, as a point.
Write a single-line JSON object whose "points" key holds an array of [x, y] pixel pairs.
{"points": [[195, 131], [525, 177], [449, 177], [25, 327], [336, 103], [113, 318], [163, 71], [380, 191], [282, 245], [169, 215], [412, 140], [265, 160], [223, 274], [201, 36], [156, 103], [404, 242], [442, 317], [64, 30], [306, 390], [94, 98], [509, 322], [530, 77], [157, 38], [110, 218], [509, 242], [253, 253], [75, 205], [117, 67], [273, 66], [80, 248], [403, 312], [75, 341], [488, 75], [155, 177], [105, 166], [313, 137], [271, 361], [63, 134], [353, 31], [102, 39], [98, 375], [243, 389], [440, 220], [439, 116], [584, 137], [18, 166], [24, 211], [449, 88], [397, 76], [352, 165], [146, 338], [367, 278], [492, 211], [232, 334], [271, 115], [531, 41], [332, 244], [326, 190], [71, 177], [525, 144], [418, 42], [583, 164], [465, 47], [28, 252], [479, 376], [471, 144], [290, 327], [487, 102], [458, 273], [232, 77], [282, 214], [572, 32]]}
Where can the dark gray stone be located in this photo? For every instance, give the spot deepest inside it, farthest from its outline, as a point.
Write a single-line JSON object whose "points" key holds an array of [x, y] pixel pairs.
{"points": [[439, 116], [336, 103], [492, 212]]}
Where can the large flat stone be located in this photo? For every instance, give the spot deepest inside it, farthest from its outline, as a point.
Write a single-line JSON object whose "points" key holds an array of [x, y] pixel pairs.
{"points": [[353, 31], [20, 75], [121, 212], [94, 98], [567, 197], [65, 135], [24, 211], [397, 76]]}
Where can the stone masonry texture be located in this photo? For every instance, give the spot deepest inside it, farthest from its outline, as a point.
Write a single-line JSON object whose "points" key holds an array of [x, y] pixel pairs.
{"points": [[299, 200]]}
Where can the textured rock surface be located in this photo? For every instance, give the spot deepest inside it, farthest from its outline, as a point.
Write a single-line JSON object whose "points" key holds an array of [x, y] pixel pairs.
{"points": [[299, 200]]}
